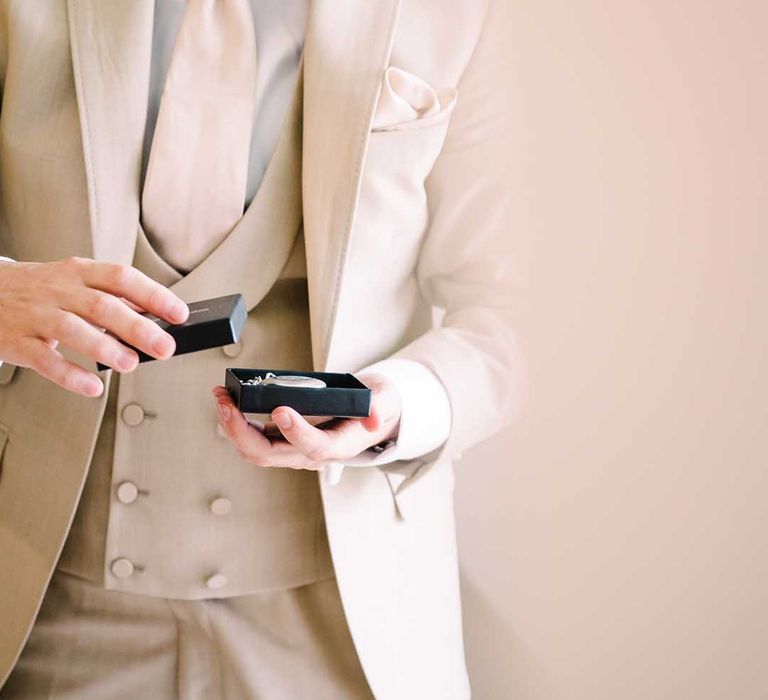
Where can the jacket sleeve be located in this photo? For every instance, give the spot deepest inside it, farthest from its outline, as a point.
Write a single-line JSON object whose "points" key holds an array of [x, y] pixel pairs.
{"points": [[466, 267]]}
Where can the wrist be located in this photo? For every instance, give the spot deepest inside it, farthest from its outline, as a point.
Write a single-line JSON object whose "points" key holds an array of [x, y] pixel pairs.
{"points": [[391, 434], [387, 438]]}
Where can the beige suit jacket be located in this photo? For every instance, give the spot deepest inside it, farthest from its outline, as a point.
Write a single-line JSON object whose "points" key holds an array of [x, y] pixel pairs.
{"points": [[398, 219]]}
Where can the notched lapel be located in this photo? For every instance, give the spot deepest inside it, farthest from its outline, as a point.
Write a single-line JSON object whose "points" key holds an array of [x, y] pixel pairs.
{"points": [[347, 50], [111, 46]]}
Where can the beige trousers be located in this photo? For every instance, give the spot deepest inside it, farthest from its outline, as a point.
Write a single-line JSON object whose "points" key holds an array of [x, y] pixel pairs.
{"points": [[90, 643]]}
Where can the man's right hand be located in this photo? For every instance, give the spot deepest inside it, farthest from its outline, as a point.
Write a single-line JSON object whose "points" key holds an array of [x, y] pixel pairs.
{"points": [[70, 301]]}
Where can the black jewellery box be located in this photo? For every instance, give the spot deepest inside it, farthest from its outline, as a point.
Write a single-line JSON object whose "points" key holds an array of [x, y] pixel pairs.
{"points": [[343, 396], [212, 323]]}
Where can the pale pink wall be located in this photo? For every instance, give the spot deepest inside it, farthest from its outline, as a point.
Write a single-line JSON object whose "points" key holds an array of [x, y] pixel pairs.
{"points": [[614, 541]]}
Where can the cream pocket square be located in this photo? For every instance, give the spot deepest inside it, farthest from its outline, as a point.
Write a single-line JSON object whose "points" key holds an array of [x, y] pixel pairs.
{"points": [[408, 102]]}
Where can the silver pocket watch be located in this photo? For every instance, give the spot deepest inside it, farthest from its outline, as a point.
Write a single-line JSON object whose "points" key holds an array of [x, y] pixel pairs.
{"points": [[288, 380]]}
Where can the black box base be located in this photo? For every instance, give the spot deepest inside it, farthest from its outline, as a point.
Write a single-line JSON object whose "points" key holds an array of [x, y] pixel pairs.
{"points": [[344, 396], [212, 323]]}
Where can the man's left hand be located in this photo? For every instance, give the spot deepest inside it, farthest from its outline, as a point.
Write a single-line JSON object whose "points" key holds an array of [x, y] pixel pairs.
{"points": [[298, 442]]}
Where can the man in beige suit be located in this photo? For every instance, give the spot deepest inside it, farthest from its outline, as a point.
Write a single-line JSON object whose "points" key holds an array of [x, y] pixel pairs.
{"points": [[140, 554]]}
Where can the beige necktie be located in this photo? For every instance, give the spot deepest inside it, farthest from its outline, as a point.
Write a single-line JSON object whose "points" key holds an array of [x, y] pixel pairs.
{"points": [[194, 189]]}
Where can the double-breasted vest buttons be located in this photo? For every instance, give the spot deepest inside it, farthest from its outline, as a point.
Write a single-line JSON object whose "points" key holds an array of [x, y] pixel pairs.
{"points": [[221, 506], [122, 568], [233, 350], [127, 492], [216, 581], [133, 414]]}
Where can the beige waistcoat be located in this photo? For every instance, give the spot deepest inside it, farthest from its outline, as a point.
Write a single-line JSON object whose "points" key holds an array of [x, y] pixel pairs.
{"points": [[158, 515]]}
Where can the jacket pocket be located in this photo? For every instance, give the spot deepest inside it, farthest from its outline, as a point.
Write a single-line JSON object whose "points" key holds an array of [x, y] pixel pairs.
{"points": [[407, 102]]}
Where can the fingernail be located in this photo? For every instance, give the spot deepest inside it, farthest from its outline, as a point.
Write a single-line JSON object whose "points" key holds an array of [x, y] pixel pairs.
{"points": [[224, 412], [163, 345], [179, 312], [127, 360], [282, 420], [92, 386]]}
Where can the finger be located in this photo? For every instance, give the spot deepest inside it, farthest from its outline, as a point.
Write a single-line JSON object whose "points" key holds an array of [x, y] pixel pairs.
{"points": [[322, 421], [135, 286], [47, 362], [132, 306], [248, 441], [317, 445], [385, 403], [110, 312], [252, 445], [81, 336], [346, 437], [221, 391], [269, 426], [351, 431]]}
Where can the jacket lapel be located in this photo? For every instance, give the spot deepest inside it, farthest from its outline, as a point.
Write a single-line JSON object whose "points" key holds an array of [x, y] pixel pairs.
{"points": [[111, 51], [346, 51]]}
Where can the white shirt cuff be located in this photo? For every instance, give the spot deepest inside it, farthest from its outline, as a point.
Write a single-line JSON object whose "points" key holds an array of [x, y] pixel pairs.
{"points": [[425, 420]]}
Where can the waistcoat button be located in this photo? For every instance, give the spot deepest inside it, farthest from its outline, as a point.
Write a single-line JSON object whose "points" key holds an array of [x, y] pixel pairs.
{"points": [[233, 350], [221, 506], [122, 568], [216, 581], [133, 414], [127, 492]]}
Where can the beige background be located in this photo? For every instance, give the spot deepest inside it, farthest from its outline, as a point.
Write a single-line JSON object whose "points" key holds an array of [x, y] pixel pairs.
{"points": [[614, 541]]}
